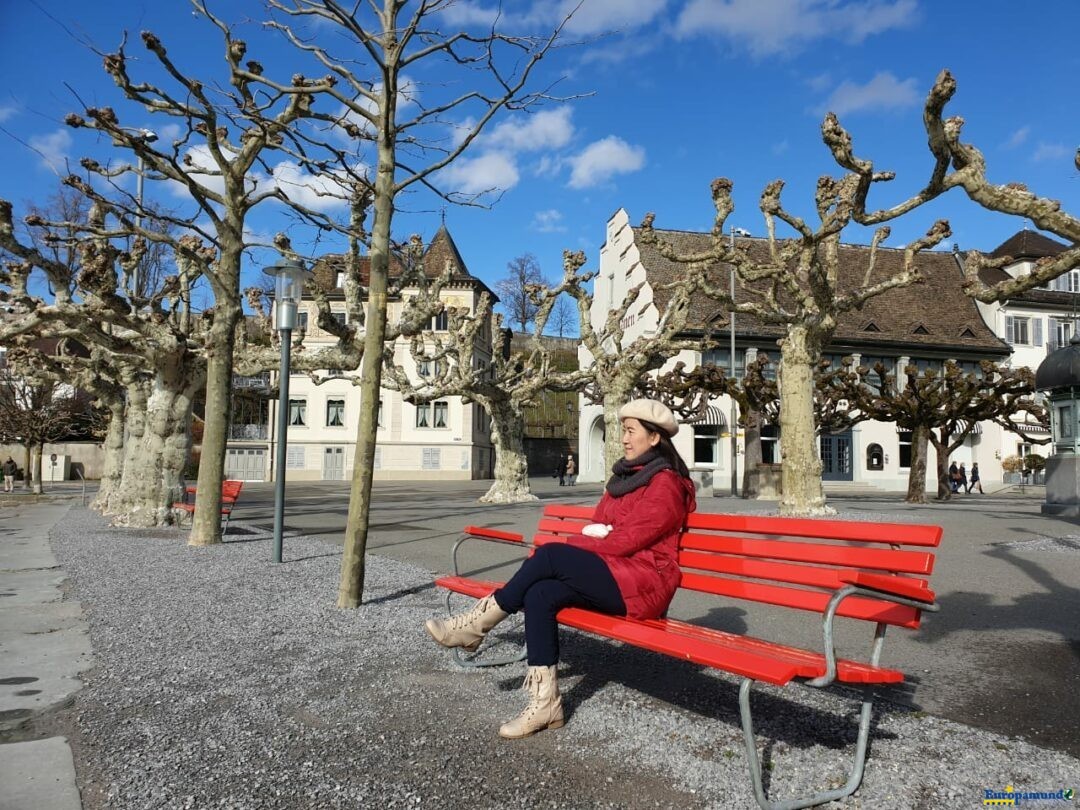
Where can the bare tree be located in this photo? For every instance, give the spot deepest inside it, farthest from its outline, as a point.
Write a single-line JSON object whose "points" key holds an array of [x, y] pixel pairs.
{"points": [[563, 320], [799, 286], [522, 273]]}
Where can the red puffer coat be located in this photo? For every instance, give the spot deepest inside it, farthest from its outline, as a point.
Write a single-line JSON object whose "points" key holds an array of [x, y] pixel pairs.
{"points": [[642, 549]]}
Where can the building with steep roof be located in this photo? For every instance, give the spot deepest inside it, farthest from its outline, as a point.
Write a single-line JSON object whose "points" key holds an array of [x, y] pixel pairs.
{"points": [[926, 324], [444, 439]]}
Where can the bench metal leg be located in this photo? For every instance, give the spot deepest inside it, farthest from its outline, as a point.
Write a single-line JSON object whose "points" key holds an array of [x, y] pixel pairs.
{"points": [[471, 663], [853, 782]]}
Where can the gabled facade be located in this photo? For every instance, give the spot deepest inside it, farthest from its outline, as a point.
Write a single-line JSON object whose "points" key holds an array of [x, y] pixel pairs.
{"points": [[926, 324], [443, 439]]}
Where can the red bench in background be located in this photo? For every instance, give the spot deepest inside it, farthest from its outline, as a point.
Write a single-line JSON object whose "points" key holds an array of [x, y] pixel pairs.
{"points": [[230, 494], [868, 572]]}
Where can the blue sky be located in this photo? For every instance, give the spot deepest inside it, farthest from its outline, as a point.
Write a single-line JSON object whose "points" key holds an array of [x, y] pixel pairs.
{"points": [[681, 91]]}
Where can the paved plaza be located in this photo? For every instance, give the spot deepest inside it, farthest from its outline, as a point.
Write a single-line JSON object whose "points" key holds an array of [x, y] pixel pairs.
{"points": [[992, 697]]}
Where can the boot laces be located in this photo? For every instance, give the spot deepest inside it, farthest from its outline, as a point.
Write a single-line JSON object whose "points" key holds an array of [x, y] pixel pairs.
{"points": [[462, 620]]}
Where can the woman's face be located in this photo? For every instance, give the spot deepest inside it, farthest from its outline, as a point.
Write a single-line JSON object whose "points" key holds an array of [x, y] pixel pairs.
{"points": [[636, 439]]}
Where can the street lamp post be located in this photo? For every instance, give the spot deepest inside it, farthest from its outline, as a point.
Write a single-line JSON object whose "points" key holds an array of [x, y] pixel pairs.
{"points": [[289, 277], [731, 367], [146, 136]]}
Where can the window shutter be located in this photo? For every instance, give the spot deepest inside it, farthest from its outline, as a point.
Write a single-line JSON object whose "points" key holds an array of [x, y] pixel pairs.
{"points": [[1037, 333], [1009, 335]]}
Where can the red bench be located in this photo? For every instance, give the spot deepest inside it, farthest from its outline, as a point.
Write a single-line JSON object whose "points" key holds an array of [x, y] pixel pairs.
{"points": [[855, 570], [230, 494]]}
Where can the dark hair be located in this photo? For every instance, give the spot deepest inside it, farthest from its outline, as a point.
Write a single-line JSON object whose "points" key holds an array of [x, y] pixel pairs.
{"points": [[667, 449]]}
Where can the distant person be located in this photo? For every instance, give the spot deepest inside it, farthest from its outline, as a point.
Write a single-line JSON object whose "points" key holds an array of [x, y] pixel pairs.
{"points": [[963, 478], [10, 468], [954, 477], [976, 481], [571, 470], [560, 470]]}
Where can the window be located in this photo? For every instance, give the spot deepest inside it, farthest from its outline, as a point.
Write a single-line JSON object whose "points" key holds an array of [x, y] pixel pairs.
{"points": [[927, 367], [441, 414], [869, 362], [1060, 332], [423, 368], [301, 320], [340, 281], [875, 457], [298, 413], [1065, 420], [1018, 330], [706, 444], [423, 415], [440, 323], [431, 459], [335, 413], [721, 359], [904, 439], [378, 415], [340, 317], [294, 458], [769, 436]]}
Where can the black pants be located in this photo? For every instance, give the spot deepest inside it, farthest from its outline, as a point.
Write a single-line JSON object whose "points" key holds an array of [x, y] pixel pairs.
{"points": [[557, 576]]}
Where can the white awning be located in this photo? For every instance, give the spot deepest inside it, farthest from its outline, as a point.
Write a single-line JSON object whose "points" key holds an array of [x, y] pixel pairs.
{"points": [[962, 425], [712, 416]]}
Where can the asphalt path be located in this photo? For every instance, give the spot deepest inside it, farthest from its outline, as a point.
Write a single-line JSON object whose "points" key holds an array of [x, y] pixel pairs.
{"points": [[1003, 654]]}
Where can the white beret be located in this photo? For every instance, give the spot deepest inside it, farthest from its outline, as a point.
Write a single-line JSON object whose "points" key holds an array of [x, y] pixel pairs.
{"points": [[649, 410]]}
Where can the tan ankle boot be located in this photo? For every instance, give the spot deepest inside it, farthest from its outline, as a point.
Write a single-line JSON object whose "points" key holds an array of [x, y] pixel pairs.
{"points": [[545, 705], [467, 629]]}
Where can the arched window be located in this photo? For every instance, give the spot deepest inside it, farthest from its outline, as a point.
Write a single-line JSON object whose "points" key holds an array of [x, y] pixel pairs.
{"points": [[875, 457]]}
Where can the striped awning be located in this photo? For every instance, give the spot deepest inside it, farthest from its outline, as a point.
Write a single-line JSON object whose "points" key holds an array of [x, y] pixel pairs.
{"points": [[712, 416], [962, 425]]}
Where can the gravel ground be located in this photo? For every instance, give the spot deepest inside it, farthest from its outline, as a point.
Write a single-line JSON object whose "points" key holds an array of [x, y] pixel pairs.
{"points": [[226, 681]]}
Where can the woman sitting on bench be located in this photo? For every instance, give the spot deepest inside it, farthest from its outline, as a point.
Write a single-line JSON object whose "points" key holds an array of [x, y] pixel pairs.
{"points": [[625, 563]]}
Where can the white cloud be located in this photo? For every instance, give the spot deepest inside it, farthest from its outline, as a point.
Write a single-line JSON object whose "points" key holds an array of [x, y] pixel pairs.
{"points": [[53, 149], [547, 129], [168, 133], [883, 92], [1051, 151], [593, 16], [6, 113], [549, 221], [487, 172], [317, 192], [766, 27], [603, 159], [1017, 138]]}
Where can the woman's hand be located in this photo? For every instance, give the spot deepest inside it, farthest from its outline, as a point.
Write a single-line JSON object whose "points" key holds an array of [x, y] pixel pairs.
{"points": [[597, 530]]}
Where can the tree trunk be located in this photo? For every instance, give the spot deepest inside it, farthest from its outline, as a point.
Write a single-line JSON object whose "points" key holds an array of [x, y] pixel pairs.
{"points": [[803, 494], [28, 458], [220, 341], [920, 440], [113, 467], [511, 483], [37, 468], [944, 490], [616, 394], [351, 584], [155, 454], [751, 452]]}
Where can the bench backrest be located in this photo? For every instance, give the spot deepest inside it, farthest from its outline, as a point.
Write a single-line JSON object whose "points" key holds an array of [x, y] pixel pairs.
{"points": [[790, 562], [230, 490]]}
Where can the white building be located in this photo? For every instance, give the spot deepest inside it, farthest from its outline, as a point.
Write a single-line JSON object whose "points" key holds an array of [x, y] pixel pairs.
{"points": [[446, 439], [924, 324]]}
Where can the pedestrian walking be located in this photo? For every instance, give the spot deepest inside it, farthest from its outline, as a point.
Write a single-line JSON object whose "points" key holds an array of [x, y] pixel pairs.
{"points": [[571, 470], [976, 481], [963, 478], [560, 470], [9, 470], [625, 563], [954, 477]]}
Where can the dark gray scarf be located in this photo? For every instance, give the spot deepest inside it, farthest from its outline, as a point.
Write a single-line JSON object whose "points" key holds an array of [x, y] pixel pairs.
{"points": [[631, 474]]}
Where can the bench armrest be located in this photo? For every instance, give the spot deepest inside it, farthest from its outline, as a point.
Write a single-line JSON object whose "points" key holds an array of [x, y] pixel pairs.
{"points": [[484, 533], [872, 592], [883, 586], [488, 536]]}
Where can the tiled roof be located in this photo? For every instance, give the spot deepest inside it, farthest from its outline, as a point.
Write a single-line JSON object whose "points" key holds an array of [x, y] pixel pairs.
{"points": [[932, 314], [1027, 244]]}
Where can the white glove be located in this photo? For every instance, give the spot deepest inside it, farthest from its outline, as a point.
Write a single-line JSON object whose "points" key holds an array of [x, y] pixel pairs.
{"points": [[597, 530]]}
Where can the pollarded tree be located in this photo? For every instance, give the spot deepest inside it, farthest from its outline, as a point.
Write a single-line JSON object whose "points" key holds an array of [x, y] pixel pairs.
{"points": [[383, 108], [799, 287], [944, 405]]}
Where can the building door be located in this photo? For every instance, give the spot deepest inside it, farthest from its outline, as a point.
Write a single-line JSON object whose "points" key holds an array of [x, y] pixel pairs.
{"points": [[836, 457], [245, 464], [333, 468]]}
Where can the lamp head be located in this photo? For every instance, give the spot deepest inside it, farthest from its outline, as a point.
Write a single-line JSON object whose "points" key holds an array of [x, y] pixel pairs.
{"points": [[289, 279]]}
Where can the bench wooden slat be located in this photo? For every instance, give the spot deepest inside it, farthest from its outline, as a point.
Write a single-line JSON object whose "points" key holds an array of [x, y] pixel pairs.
{"points": [[908, 562], [854, 607], [560, 526], [562, 510], [906, 534], [819, 577]]}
